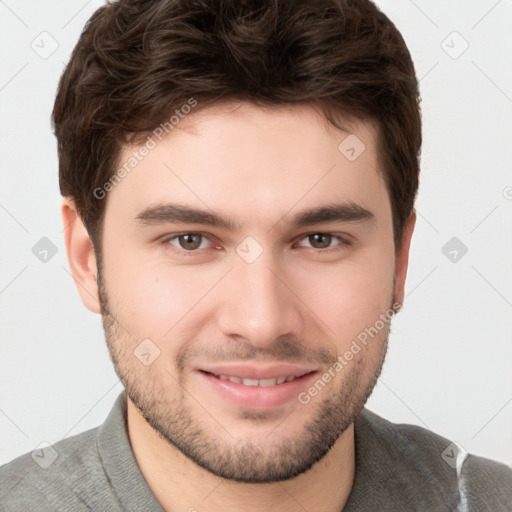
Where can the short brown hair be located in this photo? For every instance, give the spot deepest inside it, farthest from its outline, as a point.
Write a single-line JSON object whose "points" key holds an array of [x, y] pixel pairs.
{"points": [[137, 61]]}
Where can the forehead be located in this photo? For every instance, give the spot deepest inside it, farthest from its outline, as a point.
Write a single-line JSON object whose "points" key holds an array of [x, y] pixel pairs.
{"points": [[253, 163]]}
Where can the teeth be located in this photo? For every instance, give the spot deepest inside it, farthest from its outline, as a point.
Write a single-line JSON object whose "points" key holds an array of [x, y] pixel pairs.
{"points": [[258, 382], [267, 382], [250, 382]]}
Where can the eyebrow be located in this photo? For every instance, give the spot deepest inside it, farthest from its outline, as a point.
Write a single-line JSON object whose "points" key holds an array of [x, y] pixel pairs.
{"points": [[337, 212], [172, 213]]}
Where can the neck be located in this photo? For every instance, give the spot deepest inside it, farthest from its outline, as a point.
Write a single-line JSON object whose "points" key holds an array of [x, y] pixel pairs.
{"points": [[180, 484]]}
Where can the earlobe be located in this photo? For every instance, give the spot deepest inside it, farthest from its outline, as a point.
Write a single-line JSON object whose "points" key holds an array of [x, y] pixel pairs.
{"points": [[402, 259], [81, 256]]}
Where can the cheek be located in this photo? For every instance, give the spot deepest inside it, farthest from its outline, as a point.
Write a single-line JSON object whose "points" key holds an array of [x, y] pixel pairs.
{"points": [[350, 297], [159, 300]]}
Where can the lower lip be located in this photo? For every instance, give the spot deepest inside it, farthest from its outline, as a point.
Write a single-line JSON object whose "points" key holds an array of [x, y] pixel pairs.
{"points": [[257, 397]]}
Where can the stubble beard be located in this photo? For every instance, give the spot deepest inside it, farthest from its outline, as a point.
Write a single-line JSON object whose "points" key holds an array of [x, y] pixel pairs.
{"points": [[334, 409]]}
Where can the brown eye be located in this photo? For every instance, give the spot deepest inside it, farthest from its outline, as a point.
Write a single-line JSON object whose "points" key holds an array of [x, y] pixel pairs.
{"points": [[320, 240], [190, 241]]}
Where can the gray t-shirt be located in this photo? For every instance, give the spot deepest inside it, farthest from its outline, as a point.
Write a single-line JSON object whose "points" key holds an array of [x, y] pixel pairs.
{"points": [[398, 468]]}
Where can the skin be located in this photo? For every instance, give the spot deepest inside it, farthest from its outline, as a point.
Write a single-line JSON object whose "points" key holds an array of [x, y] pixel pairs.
{"points": [[302, 300]]}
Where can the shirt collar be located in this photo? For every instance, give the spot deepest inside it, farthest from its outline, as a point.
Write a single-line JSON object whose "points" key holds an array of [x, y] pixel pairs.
{"points": [[119, 462]]}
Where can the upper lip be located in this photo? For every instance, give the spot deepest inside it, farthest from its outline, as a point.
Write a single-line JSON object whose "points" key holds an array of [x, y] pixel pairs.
{"points": [[258, 371]]}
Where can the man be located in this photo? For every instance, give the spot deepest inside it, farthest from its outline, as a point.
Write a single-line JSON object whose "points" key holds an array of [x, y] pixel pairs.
{"points": [[239, 182]]}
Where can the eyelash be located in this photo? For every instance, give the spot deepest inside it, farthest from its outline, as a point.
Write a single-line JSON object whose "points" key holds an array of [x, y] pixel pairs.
{"points": [[343, 241]]}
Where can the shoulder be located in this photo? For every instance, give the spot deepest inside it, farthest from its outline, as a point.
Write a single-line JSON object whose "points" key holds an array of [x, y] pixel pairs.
{"points": [[434, 463], [61, 473]]}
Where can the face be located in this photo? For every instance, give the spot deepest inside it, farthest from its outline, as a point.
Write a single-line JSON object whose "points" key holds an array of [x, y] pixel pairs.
{"points": [[251, 256]]}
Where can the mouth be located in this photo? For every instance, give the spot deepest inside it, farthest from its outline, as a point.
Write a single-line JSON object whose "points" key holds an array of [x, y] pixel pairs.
{"points": [[256, 387], [263, 383]]}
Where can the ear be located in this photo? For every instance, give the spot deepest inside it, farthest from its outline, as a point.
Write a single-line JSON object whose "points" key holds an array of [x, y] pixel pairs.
{"points": [[81, 257], [402, 259]]}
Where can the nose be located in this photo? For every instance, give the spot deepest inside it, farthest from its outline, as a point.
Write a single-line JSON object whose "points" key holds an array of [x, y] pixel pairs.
{"points": [[259, 304]]}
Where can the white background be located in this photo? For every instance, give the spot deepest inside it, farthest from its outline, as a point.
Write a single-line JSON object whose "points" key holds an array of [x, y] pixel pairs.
{"points": [[449, 364]]}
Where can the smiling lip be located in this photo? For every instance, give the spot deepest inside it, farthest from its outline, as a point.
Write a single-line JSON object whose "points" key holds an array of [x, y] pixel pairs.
{"points": [[259, 372], [258, 387]]}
